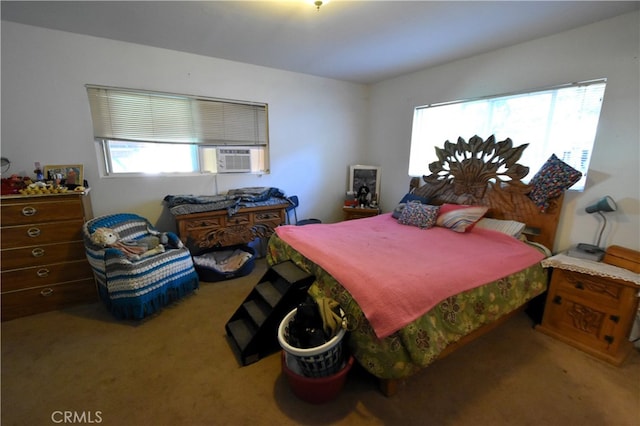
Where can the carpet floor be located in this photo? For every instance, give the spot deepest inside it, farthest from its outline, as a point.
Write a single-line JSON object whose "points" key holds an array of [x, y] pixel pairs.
{"points": [[79, 365]]}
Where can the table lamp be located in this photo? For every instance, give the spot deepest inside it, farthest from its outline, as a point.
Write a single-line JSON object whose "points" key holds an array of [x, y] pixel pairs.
{"points": [[590, 251]]}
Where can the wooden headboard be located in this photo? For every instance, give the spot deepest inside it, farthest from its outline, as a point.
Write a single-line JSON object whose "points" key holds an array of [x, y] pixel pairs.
{"points": [[487, 173]]}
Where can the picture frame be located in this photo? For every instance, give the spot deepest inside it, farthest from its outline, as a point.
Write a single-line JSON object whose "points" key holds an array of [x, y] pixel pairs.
{"points": [[70, 174], [369, 176]]}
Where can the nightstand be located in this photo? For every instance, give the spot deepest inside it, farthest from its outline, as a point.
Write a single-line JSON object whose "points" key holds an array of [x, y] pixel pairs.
{"points": [[591, 306], [359, 212]]}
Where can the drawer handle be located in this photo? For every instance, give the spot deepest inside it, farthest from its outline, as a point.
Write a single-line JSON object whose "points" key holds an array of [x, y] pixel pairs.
{"points": [[29, 211], [44, 272], [37, 252], [557, 300], [579, 286], [33, 232], [46, 292]]}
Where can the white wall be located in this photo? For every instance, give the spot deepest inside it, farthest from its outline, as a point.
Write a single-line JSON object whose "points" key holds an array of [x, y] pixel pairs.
{"points": [[606, 49], [316, 125]]}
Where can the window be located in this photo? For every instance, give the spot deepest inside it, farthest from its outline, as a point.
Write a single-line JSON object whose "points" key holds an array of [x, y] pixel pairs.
{"points": [[142, 132], [561, 120]]}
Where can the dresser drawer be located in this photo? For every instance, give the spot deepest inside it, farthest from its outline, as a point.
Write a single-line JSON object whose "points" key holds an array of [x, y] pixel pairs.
{"points": [[597, 290], [238, 219], [189, 225], [37, 211], [38, 276], [41, 233], [35, 300], [41, 255], [273, 216]]}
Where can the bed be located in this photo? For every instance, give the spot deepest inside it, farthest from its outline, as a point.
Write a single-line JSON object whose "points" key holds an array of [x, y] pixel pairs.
{"points": [[351, 261]]}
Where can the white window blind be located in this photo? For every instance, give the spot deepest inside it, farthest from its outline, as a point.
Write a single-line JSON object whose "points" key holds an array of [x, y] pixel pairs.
{"points": [[561, 120], [136, 115]]}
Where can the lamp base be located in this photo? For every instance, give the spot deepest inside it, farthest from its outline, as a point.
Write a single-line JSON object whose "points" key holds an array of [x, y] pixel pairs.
{"points": [[586, 251]]}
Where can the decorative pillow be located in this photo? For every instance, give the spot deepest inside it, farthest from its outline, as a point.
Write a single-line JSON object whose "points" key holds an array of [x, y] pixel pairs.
{"points": [[421, 215], [398, 210], [460, 218], [509, 227], [408, 197], [554, 177]]}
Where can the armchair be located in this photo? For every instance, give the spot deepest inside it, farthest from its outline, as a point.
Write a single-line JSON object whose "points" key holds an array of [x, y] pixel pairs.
{"points": [[134, 289]]}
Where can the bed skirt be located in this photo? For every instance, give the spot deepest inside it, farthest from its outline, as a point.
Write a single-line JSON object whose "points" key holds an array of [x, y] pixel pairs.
{"points": [[410, 349]]}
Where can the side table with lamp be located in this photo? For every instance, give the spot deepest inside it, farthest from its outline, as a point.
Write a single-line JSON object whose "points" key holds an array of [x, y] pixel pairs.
{"points": [[590, 304]]}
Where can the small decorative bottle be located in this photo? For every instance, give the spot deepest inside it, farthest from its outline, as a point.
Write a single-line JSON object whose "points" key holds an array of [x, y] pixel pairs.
{"points": [[38, 172]]}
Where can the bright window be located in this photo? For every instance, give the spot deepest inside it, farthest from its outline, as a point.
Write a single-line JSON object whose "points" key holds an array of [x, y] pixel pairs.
{"points": [[142, 132], [561, 120]]}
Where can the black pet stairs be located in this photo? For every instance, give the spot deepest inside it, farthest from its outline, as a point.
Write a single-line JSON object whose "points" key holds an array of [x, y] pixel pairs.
{"points": [[252, 331]]}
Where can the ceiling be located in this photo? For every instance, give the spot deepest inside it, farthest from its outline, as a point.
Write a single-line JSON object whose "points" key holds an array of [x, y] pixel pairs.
{"points": [[357, 41]]}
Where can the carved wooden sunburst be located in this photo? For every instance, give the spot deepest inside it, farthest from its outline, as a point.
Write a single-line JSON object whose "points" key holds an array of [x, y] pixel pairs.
{"points": [[471, 167]]}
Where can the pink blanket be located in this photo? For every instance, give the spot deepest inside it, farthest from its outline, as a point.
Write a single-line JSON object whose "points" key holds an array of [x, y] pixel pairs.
{"points": [[396, 273]]}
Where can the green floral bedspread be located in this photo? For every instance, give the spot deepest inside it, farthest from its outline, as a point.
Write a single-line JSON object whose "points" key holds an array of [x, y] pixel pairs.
{"points": [[418, 344]]}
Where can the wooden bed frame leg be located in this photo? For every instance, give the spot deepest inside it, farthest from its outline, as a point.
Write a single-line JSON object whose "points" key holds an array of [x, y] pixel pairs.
{"points": [[389, 387]]}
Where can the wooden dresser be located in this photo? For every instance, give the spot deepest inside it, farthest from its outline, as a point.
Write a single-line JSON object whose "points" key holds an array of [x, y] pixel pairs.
{"points": [[593, 313], [216, 228], [43, 263]]}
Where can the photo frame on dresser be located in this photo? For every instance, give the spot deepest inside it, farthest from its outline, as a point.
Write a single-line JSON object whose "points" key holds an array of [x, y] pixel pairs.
{"points": [[369, 176], [70, 174]]}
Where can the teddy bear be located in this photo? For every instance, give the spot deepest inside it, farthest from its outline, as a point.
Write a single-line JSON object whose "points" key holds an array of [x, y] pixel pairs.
{"points": [[134, 250]]}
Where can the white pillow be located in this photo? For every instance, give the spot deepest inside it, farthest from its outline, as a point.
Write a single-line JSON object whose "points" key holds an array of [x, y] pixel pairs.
{"points": [[509, 227]]}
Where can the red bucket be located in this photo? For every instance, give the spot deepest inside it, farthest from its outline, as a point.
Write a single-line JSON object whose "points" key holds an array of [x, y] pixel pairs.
{"points": [[315, 390]]}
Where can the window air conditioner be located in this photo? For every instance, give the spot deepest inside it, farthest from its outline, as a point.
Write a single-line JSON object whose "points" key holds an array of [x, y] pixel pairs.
{"points": [[233, 160]]}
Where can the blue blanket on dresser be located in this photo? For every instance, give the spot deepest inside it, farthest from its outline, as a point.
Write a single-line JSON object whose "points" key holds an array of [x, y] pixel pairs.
{"points": [[234, 200]]}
